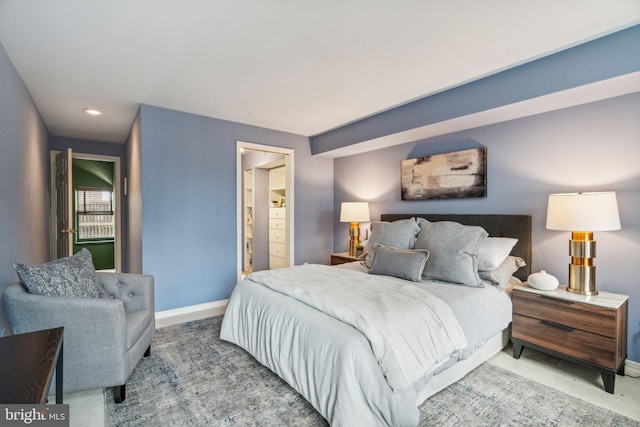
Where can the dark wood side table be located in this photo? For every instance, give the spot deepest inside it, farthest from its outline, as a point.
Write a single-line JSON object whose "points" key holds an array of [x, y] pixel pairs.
{"points": [[341, 258], [27, 364], [588, 330]]}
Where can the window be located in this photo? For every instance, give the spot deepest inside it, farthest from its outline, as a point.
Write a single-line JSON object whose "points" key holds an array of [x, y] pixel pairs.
{"points": [[95, 217]]}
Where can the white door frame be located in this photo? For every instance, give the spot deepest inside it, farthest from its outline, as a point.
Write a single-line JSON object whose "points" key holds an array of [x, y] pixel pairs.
{"points": [[116, 193], [289, 159]]}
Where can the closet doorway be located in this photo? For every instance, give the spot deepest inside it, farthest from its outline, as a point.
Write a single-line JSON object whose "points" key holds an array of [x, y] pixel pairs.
{"points": [[265, 201]]}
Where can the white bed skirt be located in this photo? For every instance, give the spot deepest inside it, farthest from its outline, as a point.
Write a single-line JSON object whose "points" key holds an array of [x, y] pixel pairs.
{"points": [[463, 367]]}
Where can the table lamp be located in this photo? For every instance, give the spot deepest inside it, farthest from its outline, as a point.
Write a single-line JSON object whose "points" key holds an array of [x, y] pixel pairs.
{"points": [[582, 214], [354, 212]]}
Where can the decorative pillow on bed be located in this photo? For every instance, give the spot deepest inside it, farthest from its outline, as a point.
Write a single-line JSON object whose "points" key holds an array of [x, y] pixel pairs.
{"points": [[398, 234], [453, 251], [406, 264], [74, 276], [493, 251], [501, 275]]}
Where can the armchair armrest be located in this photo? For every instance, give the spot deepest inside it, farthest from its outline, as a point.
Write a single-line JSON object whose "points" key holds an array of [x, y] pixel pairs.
{"points": [[134, 290], [95, 325]]}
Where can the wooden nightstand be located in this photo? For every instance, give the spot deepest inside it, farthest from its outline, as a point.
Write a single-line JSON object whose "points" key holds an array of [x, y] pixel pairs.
{"points": [[589, 330], [341, 258]]}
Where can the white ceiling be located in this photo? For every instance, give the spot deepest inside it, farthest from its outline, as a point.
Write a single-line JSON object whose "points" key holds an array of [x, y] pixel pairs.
{"points": [[302, 66]]}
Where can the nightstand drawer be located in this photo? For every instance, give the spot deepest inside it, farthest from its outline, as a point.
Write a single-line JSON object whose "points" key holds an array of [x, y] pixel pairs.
{"points": [[590, 330], [585, 317], [572, 342]]}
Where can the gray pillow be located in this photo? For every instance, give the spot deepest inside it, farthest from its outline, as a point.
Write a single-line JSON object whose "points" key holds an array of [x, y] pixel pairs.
{"points": [[406, 264], [398, 234], [501, 275], [74, 276], [453, 251]]}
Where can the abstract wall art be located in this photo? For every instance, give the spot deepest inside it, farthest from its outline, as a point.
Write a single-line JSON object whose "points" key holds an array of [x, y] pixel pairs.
{"points": [[456, 175]]}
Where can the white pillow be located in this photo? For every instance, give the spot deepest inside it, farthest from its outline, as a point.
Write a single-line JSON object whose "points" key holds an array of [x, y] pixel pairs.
{"points": [[493, 251]]}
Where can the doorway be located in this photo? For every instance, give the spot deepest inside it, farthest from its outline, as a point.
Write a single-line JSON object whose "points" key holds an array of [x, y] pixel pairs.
{"points": [[94, 207], [265, 206]]}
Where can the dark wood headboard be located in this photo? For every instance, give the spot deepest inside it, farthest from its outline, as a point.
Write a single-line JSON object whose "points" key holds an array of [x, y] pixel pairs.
{"points": [[514, 226]]}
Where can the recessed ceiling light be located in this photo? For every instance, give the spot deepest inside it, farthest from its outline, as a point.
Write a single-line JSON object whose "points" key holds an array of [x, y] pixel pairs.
{"points": [[92, 111]]}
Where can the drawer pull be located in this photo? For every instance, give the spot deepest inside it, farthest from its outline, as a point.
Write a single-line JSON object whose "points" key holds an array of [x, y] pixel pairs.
{"points": [[557, 325]]}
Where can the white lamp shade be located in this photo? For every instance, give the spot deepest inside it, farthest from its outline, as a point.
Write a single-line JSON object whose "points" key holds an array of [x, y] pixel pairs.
{"points": [[354, 212], [583, 212]]}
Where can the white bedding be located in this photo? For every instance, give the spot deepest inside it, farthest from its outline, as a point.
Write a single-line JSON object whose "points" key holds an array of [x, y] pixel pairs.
{"points": [[380, 308], [330, 362]]}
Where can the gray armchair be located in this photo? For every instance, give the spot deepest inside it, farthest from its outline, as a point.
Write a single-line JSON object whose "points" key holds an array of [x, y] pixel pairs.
{"points": [[104, 338]]}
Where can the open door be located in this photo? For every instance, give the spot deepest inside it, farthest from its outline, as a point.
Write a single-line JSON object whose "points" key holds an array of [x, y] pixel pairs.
{"points": [[277, 206], [64, 209], [68, 225]]}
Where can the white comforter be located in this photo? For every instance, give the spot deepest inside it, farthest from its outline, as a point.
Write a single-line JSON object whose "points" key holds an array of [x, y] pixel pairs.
{"points": [[330, 362], [382, 309]]}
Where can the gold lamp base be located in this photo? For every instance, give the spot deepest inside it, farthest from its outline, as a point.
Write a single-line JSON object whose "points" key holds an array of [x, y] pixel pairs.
{"points": [[582, 272], [354, 242]]}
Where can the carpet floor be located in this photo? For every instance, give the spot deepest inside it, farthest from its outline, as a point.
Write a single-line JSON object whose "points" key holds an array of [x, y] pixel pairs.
{"points": [[195, 379]]}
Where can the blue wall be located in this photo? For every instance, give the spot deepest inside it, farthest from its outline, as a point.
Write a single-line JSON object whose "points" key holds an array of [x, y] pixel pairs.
{"points": [[189, 240], [24, 179], [591, 147]]}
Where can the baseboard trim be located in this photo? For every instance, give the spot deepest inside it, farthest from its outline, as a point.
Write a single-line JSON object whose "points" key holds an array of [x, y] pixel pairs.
{"points": [[214, 308], [632, 368]]}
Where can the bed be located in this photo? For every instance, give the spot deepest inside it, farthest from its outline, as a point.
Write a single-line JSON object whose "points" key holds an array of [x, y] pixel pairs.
{"points": [[367, 349]]}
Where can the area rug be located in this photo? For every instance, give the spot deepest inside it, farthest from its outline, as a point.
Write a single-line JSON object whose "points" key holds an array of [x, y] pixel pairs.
{"points": [[193, 378]]}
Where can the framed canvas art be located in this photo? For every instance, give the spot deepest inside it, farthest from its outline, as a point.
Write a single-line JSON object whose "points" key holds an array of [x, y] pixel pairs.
{"points": [[456, 175]]}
